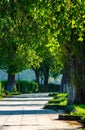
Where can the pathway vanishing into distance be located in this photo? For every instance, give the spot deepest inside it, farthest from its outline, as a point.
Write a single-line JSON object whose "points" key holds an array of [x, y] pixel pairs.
{"points": [[25, 112]]}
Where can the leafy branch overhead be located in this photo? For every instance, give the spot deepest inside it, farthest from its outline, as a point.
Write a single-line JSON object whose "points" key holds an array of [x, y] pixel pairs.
{"points": [[46, 34]]}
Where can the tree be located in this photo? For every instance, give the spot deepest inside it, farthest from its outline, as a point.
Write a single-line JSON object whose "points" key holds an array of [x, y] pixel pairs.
{"points": [[71, 26], [16, 52], [66, 22], [50, 22], [50, 55]]}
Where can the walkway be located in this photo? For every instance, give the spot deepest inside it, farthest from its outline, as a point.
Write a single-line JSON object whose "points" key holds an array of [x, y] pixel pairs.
{"points": [[24, 112]]}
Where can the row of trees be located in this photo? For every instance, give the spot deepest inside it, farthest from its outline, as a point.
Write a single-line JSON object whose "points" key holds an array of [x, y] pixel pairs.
{"points": [[47, 36]]}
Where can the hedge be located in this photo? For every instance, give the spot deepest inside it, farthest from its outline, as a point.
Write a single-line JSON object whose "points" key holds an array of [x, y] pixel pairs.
{"points": [[21, 86], [30, 87]]}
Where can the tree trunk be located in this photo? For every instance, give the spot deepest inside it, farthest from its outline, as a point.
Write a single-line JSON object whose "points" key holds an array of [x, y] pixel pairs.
{"points": [[66, 85], [80, 74], [46, 76], [37, 75], [75, 82], [11, 82], [63, 84], [80, 89]]}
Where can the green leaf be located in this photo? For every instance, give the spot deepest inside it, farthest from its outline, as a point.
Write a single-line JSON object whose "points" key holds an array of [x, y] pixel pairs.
{"points": [[80, 39], [73, 23]]}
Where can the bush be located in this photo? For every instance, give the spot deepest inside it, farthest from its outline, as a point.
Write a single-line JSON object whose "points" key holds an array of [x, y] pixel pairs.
{"points": [[7, 92], [53, 87], [41, 88], [4, 84], [26, 87], [21, 87], [59, 101], [34, 86], [1, 89], [53, 94]]}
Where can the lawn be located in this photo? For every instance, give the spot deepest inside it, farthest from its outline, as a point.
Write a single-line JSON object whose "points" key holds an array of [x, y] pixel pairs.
{"points": [[59, 101], [78, 110]]}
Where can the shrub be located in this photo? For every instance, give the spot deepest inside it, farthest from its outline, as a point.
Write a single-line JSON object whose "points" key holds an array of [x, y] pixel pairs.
{"points": [[21, 87], [53, 87], [59, 101], [1, 88], [7, 92], [4, 84], [34, 86], [26, 87], [53, 94], [41, 88]]}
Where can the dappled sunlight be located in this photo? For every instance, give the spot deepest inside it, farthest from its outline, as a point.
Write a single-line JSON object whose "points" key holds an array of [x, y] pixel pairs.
{"points": [[25, 112]]}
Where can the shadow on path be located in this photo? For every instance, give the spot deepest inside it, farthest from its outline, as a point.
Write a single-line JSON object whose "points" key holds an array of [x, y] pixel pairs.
{"points": [[25, 100], [14, 105], [19, 112]]}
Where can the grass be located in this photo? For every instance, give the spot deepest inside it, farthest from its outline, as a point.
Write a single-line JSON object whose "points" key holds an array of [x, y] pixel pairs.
{"points": [[8, 94], [1, 96], [59, 101], [52, 94], [78, 110]]}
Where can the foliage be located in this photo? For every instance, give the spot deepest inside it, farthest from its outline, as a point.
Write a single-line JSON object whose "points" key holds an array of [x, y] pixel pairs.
{"points": [[63, 24], [0, 88], [17, 27], [58, 102], [21, 87], [3, 90], [53, 87], [41, 88], [4, 84], [59, 99], [16, 34], [26, 87], [52, 94], [78, 110], [51, 32]]}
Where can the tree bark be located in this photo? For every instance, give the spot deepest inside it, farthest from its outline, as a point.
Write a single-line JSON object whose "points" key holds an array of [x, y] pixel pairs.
{"points": [[66, 85], [37, 74], [46, 76], [63, 84], [11, 82]]}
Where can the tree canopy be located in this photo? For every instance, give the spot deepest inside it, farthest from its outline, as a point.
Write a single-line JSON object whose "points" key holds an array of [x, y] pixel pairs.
{"points": [[43, 32]]}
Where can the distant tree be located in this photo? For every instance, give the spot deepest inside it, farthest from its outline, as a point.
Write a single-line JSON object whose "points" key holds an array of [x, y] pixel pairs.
{"points": [[16, 29]]}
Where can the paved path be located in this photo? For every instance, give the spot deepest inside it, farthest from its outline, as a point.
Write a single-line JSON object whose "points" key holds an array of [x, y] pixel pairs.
{"points": [[24, 112]]}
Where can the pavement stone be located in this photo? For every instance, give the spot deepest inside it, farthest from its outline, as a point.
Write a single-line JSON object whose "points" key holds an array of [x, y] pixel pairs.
{"points": [[25, 112]]}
